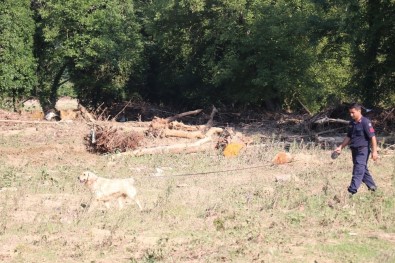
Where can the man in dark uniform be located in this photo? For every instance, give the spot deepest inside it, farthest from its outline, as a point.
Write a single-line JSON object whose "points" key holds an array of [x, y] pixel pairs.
{"points": [[362, 141]]}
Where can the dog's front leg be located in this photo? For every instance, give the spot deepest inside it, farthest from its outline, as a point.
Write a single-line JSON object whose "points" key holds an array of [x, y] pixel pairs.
{"points": [[138, 203], [120, 202]]}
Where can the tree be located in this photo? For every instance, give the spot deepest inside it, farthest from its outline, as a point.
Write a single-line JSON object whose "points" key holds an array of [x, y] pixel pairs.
{"points": [[358, 36], [93, 44], [373, 42], [233, 52], [17, 63]]}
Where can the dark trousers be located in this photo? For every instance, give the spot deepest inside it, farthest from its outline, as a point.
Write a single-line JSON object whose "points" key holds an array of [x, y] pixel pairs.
{"points": [[360, 173]]}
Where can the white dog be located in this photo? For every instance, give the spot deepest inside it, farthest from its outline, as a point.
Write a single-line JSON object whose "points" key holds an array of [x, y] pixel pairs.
{"points": [[105, 190]]}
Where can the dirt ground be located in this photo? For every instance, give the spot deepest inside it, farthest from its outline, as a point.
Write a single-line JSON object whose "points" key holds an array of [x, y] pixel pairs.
{"points": [[198, 207]]}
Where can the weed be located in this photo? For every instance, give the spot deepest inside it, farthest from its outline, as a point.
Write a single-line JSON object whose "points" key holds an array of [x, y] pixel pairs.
{"points": [[8, 178], [219, 224], [153, 255]]}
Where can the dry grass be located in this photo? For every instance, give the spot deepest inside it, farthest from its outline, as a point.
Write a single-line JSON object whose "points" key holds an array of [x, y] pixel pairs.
{"points": [[233, 216]]}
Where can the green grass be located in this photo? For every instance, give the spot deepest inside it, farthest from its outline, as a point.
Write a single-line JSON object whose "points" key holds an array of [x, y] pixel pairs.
{"points": [[360, 250]]}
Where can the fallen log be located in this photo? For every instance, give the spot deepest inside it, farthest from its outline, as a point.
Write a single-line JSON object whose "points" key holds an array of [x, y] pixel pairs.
{"points": [[197, 146], [175, 125], [326, 119], [200, 145], [183, 134]]}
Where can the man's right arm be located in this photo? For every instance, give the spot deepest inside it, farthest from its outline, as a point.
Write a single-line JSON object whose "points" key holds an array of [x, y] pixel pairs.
{"points": [[345, 142]]}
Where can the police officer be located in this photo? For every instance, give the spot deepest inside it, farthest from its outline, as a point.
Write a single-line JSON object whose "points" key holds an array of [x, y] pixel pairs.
{"points": [[362, 141]]}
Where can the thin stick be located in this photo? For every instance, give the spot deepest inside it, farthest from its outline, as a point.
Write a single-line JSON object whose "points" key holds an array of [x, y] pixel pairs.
{"points": [[304, 107], [98, 108], [104, 110], [210, 121], [127, 104], [389, 113], [175, 117]]}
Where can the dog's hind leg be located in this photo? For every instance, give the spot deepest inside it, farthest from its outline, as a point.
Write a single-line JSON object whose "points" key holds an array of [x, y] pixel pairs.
{"points": [[131, 193]]}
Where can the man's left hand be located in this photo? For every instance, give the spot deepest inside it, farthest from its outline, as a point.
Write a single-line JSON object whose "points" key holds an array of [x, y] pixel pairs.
{"points": [[375, 156]]}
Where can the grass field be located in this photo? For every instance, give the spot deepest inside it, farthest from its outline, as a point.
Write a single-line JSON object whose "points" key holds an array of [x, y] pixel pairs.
{"points": [[203, 207]]}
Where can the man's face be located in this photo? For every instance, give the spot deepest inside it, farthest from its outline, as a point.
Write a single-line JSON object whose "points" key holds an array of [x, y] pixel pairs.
{"points": [[355, 114]]}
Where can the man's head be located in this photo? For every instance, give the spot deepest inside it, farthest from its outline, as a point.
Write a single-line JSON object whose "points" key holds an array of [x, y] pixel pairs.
{"points": [[355, 111]]}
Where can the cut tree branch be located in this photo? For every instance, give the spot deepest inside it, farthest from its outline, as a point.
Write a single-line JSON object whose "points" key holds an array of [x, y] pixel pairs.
{"points": [[209, 124], [180, 115], [115, 117]]}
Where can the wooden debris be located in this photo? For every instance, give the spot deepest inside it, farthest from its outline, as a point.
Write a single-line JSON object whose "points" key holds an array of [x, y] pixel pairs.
{"points": [[108, 140], [196, 146], [209, 124], [326, 120], [170, 128], [183, 134], [175, 117], [111, 140], [85, 113]]}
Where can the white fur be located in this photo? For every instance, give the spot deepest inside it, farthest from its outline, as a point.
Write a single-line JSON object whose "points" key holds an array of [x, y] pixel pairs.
{"points": [[105, 190]]}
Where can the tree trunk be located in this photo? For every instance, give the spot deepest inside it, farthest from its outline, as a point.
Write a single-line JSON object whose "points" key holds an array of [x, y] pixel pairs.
{"points": [[55, 85]]}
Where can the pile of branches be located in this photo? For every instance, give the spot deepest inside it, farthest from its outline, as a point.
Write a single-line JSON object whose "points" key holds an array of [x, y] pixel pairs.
{"points": [[111, 140]]}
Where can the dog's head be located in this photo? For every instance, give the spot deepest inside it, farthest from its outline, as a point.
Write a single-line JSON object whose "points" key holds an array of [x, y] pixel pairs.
{"points": [[87, 177]]}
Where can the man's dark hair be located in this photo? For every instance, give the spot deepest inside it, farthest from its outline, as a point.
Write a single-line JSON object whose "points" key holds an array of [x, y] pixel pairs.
{"points": [[356, 106]]}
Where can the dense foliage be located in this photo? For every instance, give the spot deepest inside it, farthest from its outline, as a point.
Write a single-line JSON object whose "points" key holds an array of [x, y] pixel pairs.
{"points": [[17, 63], [260, 53]]}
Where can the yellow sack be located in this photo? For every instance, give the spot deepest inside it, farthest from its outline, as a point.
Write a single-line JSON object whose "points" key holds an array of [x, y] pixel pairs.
{"points": [[233, 149]]}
